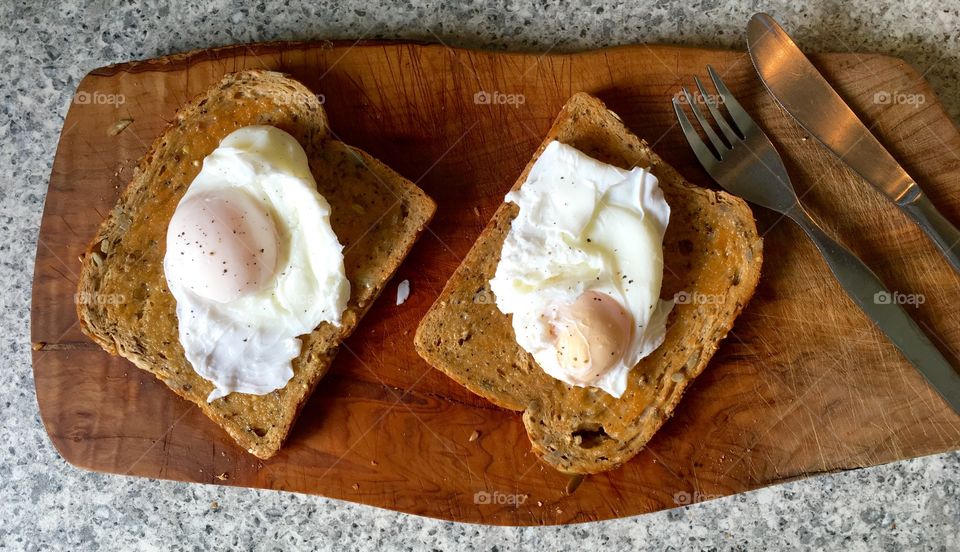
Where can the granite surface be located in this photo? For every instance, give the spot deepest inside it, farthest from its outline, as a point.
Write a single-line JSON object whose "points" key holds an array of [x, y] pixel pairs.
{"points": [[47, 47]]}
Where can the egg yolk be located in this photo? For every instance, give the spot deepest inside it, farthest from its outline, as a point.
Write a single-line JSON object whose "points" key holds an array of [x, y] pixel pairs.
{"points": [[591, 335], [222, 245]]}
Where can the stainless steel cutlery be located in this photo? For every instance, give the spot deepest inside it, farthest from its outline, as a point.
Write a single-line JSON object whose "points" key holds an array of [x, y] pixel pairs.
{"points": [[803, 92], [743, 161]]}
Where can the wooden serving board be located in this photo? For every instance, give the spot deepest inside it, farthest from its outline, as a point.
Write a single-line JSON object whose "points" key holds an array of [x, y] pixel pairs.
{"points": [[802, 385]]}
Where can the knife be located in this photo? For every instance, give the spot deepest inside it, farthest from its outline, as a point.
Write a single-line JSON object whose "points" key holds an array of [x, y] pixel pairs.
{"points": [[803, 92]]}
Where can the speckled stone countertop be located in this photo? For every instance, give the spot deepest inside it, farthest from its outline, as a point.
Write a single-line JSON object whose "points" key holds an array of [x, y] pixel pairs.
{"points": [[47, 47]]}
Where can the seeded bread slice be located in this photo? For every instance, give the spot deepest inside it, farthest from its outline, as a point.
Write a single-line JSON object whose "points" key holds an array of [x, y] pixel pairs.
{"points": [[712, 257], [376, 213]]}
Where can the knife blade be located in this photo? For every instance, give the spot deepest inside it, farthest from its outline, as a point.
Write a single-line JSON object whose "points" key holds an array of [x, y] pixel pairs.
{"points": [[807, 96]]}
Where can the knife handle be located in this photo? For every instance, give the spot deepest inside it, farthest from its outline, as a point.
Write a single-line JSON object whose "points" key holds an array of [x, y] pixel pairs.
{"points": [[943, 233], [883, 308]]}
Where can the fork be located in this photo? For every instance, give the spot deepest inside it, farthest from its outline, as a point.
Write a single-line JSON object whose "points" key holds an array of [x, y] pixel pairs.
{"points": [[745, 163]]}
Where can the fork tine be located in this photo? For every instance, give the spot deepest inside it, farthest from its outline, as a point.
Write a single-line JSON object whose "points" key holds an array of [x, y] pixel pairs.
{"points": [[719, 145], [740, 116], [703, 153], [732, 137]]}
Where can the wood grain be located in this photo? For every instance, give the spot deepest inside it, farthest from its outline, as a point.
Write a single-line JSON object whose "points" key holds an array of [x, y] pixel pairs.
{"points": [[804, 384]]}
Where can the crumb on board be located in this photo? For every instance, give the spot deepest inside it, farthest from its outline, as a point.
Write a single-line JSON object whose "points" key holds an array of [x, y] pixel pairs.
{"points": [[474, 436], [403, 291], [223, 476], [573, 483], [117, 127]]}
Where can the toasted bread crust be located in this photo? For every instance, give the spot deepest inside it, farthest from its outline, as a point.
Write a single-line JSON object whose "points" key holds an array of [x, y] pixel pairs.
{"points": [[711, 250], [376, 214]]}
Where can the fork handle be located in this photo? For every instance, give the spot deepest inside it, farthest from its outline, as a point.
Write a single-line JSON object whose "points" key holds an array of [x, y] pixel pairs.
{"points": [[860, 283], [886, 311]]}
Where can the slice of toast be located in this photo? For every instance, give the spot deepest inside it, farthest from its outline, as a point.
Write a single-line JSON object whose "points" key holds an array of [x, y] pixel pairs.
{"points": [[712, 257], [376, 213]]}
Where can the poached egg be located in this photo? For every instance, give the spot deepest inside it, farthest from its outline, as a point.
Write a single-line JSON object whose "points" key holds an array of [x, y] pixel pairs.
{"points": [[581, 268], [253, 262]]}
